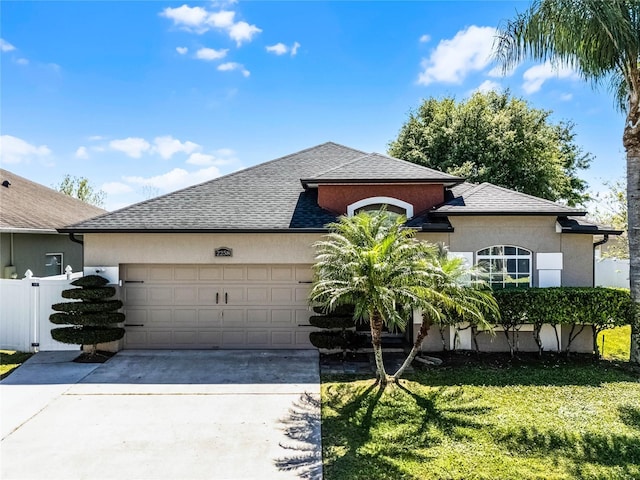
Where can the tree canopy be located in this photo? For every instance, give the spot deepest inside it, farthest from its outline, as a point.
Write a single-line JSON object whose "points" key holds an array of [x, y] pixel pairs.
{"points": [[81, 188], [493, 137]]}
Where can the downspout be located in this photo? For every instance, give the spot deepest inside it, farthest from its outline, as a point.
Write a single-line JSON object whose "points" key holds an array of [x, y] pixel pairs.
{"points": [[72, 237], [11, 248], [595, 245]]}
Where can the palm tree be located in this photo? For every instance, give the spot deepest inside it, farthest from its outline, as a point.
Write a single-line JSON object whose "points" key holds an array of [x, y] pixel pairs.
{"points": [[459, 295], [601, 41], [372, 262]]}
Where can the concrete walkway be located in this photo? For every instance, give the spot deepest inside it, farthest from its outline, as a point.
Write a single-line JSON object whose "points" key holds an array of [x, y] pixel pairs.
{"points": [[163, 415]]}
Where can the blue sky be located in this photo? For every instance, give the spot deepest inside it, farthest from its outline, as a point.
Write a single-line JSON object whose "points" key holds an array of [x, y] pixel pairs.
{"points": [[146, 97]]}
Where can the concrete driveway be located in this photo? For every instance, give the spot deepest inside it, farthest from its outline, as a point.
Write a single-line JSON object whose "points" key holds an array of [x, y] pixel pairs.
{"points": [[163, 415]]}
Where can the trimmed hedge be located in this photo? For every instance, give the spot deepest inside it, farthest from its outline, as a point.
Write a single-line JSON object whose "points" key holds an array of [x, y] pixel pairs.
{"points": [[94, 317], [90, 281], [82, 307], [87, 335], [321, 321], [332, 340], [338, 311], [89, 293], [89, 319]]}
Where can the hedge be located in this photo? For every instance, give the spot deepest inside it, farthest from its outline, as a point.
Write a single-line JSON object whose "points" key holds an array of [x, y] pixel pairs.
{"points": [[90, 319], [90, 281], [338, 311], [89, 293], [87, 335], [330, 321], [332, 340], [82, 307]]}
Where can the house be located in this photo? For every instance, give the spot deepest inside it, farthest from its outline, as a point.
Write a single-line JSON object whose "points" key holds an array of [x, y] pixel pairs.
{"points": [[227, 263], [29, 216]]}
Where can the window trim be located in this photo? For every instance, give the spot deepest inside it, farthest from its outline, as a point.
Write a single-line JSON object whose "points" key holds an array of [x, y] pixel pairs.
{"points": [[384, 200], [506, 257]]}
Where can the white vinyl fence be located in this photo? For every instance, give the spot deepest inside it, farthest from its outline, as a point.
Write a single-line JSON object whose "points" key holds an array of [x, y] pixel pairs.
{"points": [[612, 272], [25, 306]]}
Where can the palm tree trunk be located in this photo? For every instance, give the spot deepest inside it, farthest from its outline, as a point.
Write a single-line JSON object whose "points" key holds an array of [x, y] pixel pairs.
{"points": [[375, 325], [631, 140], [422, 334]]}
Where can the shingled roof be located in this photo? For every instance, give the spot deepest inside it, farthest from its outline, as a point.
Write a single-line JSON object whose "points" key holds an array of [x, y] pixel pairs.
{"points": [[26, 206], [489, 199], [377, 168], [265, 197], [276, 196]]}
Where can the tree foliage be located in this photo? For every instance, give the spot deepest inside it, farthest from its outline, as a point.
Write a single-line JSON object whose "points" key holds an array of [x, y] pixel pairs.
{"points": [[611, 209], [81, 188], [493, 137], [372, 262], [601, 41]]}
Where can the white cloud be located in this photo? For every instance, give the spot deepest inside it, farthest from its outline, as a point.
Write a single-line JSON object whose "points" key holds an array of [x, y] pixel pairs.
{"points": [[182, 50], [201, 159], [22, 61], [168, 146], [453, 59], [16, 150], [565, 97], [211, 54], [6, 46], [94, 138], [225, 152], [535, 76], [132, 146], [278, 48], [243, 32], [116, 188], [192, 19], [488, 86], [425, 38], [82, 153], [176, 179], [222, 19], [230, 66], [199, 20], [281, 49]]}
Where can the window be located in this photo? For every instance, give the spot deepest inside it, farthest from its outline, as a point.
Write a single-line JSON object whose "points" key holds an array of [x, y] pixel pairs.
{"points": [[393, 206], [506, 266], [53, 264]]}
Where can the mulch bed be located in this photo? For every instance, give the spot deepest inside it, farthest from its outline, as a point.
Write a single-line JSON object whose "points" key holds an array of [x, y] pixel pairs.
{"points": [[97, 357]]}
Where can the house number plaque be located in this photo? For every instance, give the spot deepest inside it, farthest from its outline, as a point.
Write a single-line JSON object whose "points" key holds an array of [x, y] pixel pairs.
{"points": [[224, 252]]}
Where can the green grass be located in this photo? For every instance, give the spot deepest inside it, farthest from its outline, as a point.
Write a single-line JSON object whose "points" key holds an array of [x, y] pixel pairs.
{"points": [[617, 343], [10, 360], [542, 422]]}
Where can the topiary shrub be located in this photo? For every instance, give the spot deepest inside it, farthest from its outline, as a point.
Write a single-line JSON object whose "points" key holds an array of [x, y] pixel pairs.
{"points": [[93, 317], [338, 325], [335, 339], [332, 322]]}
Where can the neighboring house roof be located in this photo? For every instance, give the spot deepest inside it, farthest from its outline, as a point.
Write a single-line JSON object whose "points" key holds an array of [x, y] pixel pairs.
{"points": [[489, 199], [26, 206], [377, 168], [270, 197]]}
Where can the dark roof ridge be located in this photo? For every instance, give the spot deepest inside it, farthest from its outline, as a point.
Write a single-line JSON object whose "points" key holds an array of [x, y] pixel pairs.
{"points": [[540, 199]]}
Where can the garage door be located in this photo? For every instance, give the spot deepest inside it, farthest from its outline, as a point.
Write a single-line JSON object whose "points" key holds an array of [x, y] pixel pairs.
{"points": [[215, 306]]}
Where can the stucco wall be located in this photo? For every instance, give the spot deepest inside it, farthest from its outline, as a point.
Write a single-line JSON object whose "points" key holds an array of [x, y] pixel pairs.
{"points": [[422, 196], [112, 249], [30, 249]]}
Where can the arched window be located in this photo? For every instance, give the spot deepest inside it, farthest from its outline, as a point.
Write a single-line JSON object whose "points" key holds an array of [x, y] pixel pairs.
{"points": [[393, 205], [506, 266]]}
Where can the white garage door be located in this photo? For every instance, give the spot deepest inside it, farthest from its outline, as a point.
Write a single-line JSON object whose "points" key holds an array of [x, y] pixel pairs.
{"points": [[216, 306]]}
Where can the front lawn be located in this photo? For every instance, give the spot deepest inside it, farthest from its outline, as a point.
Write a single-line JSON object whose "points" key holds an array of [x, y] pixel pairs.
{"points": [[10, 360], [617, 343], [553, 421]]}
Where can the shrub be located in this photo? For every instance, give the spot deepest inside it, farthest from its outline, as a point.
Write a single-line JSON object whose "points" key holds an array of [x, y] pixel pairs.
{"points": [[332, 322], [93, 316], [335, 339]]}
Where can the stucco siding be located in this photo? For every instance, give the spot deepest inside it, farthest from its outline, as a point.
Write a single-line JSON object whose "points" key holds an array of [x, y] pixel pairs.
{"points": [[117, 248], [577, 251]]}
